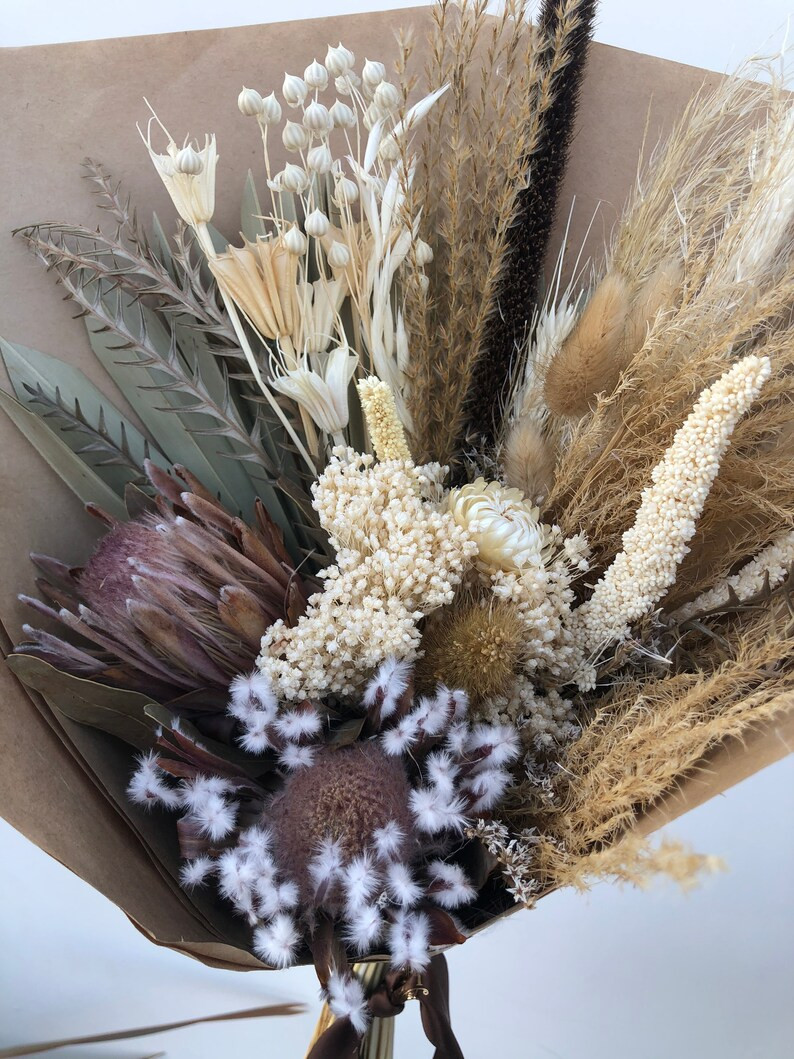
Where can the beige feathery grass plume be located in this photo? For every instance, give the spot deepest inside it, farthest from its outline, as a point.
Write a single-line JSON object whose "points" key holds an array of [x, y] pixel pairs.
{"points": [[588, 363], [528, 459], [503, 77], [705, 193], [658, 294], [649, 734]]}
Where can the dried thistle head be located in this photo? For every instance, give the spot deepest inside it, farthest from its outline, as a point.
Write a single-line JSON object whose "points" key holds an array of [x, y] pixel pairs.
{"points": [[589, 361], [473, 646]]}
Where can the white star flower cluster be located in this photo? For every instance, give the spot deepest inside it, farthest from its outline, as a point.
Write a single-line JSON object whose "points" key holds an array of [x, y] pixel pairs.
{"points": [[399, 557]]}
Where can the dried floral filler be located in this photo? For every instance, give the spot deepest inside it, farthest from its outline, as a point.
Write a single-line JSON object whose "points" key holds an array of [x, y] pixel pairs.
{"points": [[422, 577]]}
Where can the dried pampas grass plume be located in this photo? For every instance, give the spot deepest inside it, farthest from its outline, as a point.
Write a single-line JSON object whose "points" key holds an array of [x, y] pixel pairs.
{"points": [[474, 647], [658, 294], [588, 362], [528, 459]]}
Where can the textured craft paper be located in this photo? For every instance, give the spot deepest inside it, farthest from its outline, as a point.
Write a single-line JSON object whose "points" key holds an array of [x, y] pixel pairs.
{"points": [[60, 103]]}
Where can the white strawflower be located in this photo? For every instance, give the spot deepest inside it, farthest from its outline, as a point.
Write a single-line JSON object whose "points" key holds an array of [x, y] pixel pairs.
{"points": [[503, 524], [669, 509]]}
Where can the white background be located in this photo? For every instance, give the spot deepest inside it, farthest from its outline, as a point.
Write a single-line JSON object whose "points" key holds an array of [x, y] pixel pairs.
{"points": [[613, 975]]}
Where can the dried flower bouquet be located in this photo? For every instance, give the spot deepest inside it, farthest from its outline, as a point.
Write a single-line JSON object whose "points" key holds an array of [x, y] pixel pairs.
{"points": [[421, 581]]}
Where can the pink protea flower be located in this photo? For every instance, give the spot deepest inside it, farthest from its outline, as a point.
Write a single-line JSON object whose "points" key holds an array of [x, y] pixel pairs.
{"points": [[175, 600]]}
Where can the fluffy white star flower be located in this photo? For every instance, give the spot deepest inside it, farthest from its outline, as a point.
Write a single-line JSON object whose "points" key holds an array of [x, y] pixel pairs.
{"points": [[195, 872], [364, 925], [401, 885], [251, 692], [387, 686], [388, 840], [277, 943], [346, 999], [449, 886], [294, 757], [409, 940], [216, 816], [360, 880], [147, 786], [434, 812], [295, 725]]}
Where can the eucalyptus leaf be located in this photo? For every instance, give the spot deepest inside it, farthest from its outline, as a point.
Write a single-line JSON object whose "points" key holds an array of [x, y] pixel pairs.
{"points": [[31, 370], [81, 479], [121, 713]]}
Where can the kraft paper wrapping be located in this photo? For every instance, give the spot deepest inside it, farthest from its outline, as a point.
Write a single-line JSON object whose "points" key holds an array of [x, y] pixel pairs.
{"points": [[60, 783]]}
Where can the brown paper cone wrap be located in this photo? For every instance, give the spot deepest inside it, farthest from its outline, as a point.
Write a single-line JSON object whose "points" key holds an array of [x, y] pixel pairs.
{"points": [[62, 784]]}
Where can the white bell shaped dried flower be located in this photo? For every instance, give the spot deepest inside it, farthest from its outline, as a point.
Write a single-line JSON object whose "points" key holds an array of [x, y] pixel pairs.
{"points": [[295, 241], [294, 90], [389, 149], [271, 110], [317, 119], [294, 136], [346, 192], [372, 115], [319, 159], [373, 73], [315, 75], [193, 193], [188, 161], [250, 103], [321, 391], [342, 115], [294, 178], [260, 278], [317, 224], [345, 84], [387, 97], [339, 60], [424, 252], [503, 523], [338, 255]]}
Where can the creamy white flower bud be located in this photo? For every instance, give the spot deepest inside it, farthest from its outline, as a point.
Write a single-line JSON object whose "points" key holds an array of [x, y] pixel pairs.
{"points": [[346, 191], [294, 136], [424, 252], [317, 119], [271, 110], [339, 60], [294, 178], [315, 75], [389, 150], [373, 73], [295, 241], [387, 96], [294, 90], [424, 283], [344, 84], [320, 159], [317, 224], [372, 115], [188, 161], [249, 103], [338, 255], [342, 115]]}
